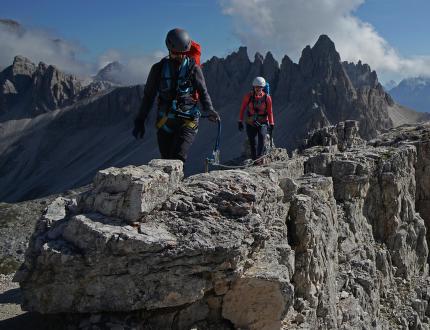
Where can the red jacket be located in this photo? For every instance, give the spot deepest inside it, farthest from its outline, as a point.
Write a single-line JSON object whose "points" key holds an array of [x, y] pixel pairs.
{"points": [[262, 104]]}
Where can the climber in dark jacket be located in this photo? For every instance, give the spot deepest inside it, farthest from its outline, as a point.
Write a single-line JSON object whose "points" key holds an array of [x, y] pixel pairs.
{"points": [[179, 82]]}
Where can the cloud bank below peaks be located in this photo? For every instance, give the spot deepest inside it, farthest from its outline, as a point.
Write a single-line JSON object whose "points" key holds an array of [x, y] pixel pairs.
{"points": [[43, 46]]}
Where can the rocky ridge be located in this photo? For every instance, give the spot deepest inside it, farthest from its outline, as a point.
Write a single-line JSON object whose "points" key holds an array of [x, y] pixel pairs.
{"points": [[28, 90], [92, 127], [317, 91], [327, 239]]}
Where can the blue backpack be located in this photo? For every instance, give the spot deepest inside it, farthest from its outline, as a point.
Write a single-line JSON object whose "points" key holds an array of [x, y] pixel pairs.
{"points": [[266, 88]]}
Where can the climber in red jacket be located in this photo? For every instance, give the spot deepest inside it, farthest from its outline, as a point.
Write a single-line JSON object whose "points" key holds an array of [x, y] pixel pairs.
{"points": [[259, 119]]}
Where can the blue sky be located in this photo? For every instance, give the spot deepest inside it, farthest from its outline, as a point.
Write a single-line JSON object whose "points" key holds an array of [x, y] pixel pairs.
{"points": [[391, 35], [404, 24], [131, 25]]}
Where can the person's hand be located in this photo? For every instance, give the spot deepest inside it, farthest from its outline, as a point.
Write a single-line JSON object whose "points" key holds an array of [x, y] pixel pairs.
{"points": [[271, 128], [139, 129], [240, 126], [213, 116]]}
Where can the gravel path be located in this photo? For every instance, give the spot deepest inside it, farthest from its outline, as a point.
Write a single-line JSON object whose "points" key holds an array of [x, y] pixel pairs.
{"points": [[10, 298]]}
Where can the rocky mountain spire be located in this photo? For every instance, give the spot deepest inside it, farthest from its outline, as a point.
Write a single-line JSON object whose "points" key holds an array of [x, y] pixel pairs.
{"points": [[27, 90], [361, 75], [319, 89]]}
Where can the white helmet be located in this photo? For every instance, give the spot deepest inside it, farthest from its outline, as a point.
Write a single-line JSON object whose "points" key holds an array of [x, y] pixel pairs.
{"points": [[259, 81]]}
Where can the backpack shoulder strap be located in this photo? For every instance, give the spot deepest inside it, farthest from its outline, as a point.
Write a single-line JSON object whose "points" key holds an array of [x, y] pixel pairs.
{"points": [[191, 63], [251, 97], [166, 70], [265, 103]]}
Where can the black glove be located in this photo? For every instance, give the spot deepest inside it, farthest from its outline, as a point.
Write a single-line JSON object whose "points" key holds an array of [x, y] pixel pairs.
{"points": [[271, 128], [139, 128], [213, 115], [240, 126]]}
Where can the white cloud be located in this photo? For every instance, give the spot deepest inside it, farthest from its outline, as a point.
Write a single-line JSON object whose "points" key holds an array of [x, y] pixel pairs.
{"points": [[135, 69], [39, 46], [42, 46], [287, 26]]}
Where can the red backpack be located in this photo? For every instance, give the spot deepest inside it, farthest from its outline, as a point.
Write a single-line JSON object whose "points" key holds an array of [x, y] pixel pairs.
{"points": [[195, 52]]}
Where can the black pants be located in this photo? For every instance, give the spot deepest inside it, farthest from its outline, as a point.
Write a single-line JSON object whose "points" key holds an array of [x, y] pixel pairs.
{"points": [[253, 132], [175, 145]]}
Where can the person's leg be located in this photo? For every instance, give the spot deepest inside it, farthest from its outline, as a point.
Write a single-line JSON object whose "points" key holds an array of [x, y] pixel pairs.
{"points": [[165, 142], [183, 139], [262, 131], [251, 131]]}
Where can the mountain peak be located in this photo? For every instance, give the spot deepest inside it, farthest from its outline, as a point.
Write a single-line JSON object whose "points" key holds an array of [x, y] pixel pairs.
{"points": [[258, 58], [112, 72], [22, 66], [325, 46], [243, 51], [269, 56], [21, 59], [324, 39]]}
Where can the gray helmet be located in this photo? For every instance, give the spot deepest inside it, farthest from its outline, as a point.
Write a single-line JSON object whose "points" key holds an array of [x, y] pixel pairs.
{"points": [[178, 40]]}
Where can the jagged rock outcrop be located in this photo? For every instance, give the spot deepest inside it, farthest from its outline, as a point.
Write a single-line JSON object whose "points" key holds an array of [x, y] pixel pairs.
{"points": [[328, 239], [28, 90], [343, 136], [15, 80], [318, 91], [417, 136], [52, 89], [361, 74]]}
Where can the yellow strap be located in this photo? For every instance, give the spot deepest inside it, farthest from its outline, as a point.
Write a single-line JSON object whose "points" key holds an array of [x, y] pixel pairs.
{"points": [[190, 123], [187, 123], [161, 122]]}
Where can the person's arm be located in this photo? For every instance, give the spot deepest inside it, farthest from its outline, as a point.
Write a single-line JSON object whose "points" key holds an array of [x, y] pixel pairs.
{"points": [[270, 111], [200, 85], [149, 92], [244, 105], [205, 99]]}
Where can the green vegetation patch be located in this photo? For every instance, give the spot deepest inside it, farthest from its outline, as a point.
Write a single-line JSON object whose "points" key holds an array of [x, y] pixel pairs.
{"points": [[8, 216], [8, 265]]}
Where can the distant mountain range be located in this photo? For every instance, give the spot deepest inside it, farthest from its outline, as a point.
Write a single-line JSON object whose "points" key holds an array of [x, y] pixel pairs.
{"points": [[28, 90], [389, 85], [413, 93], [56, 131]]}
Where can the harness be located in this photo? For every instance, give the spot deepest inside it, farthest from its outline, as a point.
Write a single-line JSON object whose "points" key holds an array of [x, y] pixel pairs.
{"points": [[183, 105], [255, 118]]}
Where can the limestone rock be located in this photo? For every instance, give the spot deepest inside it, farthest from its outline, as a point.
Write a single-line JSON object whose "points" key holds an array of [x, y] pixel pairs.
{"points": [[344, 135], [132, 192], [28, 90], [328, 239]]}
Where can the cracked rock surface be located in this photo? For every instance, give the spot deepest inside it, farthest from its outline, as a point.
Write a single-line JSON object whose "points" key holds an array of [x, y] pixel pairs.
{"points": [[333, 238]]}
